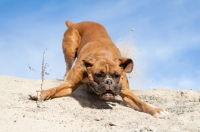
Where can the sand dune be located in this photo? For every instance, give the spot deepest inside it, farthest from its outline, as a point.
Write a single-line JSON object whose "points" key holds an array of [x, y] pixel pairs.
{"points": [[83, 111]]}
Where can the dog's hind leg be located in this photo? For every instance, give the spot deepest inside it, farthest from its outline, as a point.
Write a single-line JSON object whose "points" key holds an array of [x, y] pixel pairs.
{"points": [[70, 44]]}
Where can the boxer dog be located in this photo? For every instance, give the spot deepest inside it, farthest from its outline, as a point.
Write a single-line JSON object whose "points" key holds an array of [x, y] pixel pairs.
{"points": [[99, 66]]}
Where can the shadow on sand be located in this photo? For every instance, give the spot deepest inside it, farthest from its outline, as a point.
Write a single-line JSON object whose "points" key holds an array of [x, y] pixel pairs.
{"points": [[89, 99]]}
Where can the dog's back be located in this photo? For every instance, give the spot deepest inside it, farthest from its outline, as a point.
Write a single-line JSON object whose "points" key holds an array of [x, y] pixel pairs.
{"points": [[88, 31]]}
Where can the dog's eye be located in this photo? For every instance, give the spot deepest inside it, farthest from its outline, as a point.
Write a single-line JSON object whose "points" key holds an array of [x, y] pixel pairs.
{"points": [[98, 75], [116, 76]]}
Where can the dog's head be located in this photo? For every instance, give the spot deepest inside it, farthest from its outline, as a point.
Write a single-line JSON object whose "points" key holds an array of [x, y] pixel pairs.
{"points": [[106, 75]]}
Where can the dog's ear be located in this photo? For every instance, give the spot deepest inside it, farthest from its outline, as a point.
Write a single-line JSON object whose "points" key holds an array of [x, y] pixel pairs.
{"points": [[127, 64], [89, 61]]}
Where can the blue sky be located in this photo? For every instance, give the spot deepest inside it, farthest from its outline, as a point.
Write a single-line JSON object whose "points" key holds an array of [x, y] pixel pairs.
{"points": [[165, 40]]}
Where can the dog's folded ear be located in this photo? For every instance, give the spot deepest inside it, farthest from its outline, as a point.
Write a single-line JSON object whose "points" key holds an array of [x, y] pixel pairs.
{"points": [[127, 64], [89, 61]]}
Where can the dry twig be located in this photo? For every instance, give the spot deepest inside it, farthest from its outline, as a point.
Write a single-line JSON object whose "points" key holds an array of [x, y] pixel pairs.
{"points": [[43, 72]]}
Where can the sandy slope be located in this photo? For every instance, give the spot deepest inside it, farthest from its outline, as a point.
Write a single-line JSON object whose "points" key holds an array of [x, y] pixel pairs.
{"points": [[85, 112]]}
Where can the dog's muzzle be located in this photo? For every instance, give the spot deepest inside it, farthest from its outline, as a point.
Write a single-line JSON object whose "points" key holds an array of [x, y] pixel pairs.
{"points": [[107, 89]]}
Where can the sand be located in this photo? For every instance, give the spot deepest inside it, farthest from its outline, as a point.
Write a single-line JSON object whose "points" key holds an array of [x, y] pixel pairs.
{"points": [[83, 111]]}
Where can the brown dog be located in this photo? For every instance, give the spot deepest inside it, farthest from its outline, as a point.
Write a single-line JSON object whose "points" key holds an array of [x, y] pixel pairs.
{"points": [[99, 65]]}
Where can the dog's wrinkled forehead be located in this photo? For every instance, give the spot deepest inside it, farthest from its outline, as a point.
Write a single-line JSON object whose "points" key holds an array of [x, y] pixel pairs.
{"points": [[106, 66]]}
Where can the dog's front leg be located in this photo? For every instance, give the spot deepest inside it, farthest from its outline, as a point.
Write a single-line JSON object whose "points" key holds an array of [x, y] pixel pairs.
{"points": [[64, 89], [133, 101], [73, 81]]}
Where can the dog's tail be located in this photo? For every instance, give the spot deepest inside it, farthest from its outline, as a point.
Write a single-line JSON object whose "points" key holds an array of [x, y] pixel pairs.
{"points": [[68, 23]]}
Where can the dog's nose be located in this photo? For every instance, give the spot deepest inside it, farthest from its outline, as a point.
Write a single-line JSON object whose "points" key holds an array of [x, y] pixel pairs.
{"points": [[109, 81]]}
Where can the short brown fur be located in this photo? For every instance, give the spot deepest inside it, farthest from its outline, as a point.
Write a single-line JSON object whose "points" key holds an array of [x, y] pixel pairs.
{"points": [[89, 42]]}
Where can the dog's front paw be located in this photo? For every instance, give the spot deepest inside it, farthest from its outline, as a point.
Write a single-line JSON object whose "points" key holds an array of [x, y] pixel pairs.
{"points": [[35, 95], [162, 114]]}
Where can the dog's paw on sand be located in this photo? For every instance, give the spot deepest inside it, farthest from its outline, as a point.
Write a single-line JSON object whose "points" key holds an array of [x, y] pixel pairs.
{"points": [[162, 115], [35, 95]]}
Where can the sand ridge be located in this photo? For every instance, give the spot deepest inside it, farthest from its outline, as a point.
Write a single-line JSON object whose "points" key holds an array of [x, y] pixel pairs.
{"points": [[83, 111]]}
